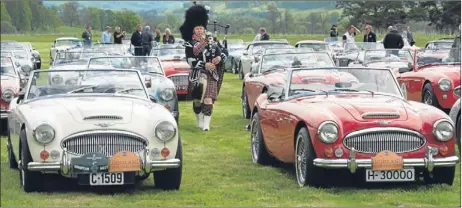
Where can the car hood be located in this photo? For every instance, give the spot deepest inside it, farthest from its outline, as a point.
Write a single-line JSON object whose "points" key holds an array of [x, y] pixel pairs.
{"points": [[171, 67], [450, 71], [10, 82]]}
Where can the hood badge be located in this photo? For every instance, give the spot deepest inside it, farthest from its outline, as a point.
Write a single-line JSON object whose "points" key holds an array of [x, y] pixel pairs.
{"points": [[383, 122], [104, 124]]}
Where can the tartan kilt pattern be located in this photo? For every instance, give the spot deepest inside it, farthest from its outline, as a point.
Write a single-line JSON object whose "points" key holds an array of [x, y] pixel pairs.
{"points": [[210, 86]]}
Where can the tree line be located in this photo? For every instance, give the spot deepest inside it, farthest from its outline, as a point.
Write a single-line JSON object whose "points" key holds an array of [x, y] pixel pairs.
{"points": [[244, 17]]}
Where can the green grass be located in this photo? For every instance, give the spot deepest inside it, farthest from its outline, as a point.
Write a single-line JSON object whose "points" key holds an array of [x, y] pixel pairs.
{"points": [[218, 170]]}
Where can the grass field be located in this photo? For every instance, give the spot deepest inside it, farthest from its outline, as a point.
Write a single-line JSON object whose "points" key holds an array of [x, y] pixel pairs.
{"points": [[218, 170]]}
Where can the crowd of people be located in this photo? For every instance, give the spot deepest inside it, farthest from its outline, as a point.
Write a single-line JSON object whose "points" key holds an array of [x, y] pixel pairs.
{"points": [[392, 40], [142, 40]]}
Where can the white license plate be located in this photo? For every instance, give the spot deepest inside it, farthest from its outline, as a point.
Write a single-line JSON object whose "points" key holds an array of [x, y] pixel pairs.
{"points": [[390, 175], [106, 179]]}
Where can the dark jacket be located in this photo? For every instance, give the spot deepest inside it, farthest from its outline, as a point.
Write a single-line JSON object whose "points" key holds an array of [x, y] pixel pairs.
{"points": [[393, 40], [119, 39], [371, 37], [146, 39], [171, 39], [157, 38], [136, 39], [333, 33], [86, 36], [265, 37]]}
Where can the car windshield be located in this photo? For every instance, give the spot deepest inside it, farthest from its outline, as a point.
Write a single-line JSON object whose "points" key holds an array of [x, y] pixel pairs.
{"points": [[258, 49], [440, 45], [388, 56], [75, 57], [68, 42], [316, 81], [109, 49], [18, 53], [7, 67], [143, 64], [437, 57], [169, 52], [108, 82], [314, 46], [5, 54], [360, 46], [286, 50], [26, 45], [272, 62]]}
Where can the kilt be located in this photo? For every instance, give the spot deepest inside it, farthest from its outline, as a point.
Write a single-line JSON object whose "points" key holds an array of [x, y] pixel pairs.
{"points": [[210, 87], [221, 73]]}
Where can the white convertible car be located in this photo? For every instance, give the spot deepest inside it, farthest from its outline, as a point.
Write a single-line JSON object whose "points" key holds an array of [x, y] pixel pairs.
{"points": [[106, 133]]}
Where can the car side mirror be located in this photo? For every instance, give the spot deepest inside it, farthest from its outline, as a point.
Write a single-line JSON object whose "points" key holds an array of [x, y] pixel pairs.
{"points": [[153, 99], [245, 53], [457, 92], [147, 81], [20, 97], [17, 63]]}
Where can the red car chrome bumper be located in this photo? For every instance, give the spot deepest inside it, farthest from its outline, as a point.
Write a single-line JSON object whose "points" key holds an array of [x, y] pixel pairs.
{"points": [[352, 164]]}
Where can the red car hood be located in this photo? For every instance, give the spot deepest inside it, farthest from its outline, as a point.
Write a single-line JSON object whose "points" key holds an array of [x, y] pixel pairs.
{"points": [[452, 72], [321, 76], [10, 82], [175, 67]]}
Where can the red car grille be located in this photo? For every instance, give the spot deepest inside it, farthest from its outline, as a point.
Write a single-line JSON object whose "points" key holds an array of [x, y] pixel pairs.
{"points": [[179, 80], [375, 140]]}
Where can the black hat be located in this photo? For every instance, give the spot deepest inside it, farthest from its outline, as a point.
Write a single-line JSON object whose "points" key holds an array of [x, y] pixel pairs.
{"points": [[196, 15]]}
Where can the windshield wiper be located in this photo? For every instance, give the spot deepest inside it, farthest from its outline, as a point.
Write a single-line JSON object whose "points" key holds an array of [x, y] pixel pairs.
{"points": [[352, 90], [128, 90], [83, 88]]}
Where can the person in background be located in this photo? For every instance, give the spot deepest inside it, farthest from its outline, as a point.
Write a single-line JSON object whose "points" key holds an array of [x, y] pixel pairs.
{"points": [[86, 36], [409, 36], [136, 40], [168, 37], [369, 36], [257, 37], [106, 36], [393, 40], [333, 31], [146, 41], [157, 38], [118, 35], [349, 37], [264, 35]]}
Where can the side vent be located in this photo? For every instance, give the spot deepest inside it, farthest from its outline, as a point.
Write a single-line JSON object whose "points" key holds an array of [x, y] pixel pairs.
{"points": [[103, 117], [381, 115]]}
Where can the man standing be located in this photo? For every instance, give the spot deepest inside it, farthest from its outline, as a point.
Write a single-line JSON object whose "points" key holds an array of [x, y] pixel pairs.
{"points": [[136, 40], [369, 36], [393, 40], [264, 35], [118, 35], [349, 38], [333, 31], [86, 36], [106, 36], [146, 41], [409, 36]]}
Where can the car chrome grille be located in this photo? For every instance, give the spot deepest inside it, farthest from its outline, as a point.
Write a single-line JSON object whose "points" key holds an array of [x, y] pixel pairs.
{"points": [[375, 115], [105, 142], [375, 140], [103, 117], [180, 80]]}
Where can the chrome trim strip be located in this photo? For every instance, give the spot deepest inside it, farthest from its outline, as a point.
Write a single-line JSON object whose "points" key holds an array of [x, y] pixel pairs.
{"points": [[381, 115], [367, 163], [56, 166]]}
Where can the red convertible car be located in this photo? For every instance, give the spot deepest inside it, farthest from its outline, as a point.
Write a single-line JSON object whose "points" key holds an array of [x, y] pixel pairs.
{"points": [[270, 71], [354, 119], [431, 80], [9, 88], [176, 68]]}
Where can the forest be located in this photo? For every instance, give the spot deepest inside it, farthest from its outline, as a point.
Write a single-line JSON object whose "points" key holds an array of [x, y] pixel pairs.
{"points": [[244, 17]]}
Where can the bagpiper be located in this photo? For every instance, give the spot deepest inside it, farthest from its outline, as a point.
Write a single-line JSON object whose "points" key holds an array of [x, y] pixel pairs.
{"points": [[204, 56]]}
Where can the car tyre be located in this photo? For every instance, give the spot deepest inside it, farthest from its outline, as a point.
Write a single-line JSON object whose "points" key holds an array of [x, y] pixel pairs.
{"points": [[258, 149], [170, 179], [30, 180], [12, 162], [428, 96], [458, 133], [245, 104], [306, 172], [442, 175], [241, 72]]}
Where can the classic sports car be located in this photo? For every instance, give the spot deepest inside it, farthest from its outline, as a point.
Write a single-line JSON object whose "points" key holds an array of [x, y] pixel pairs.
{"points": [[63, 44], [22, 58], [316, 45], [160, 88], [99, 132], [438, 49], [173, 60], [335, 45], [431, 80], [354, 119], [34, 53], [11, 84], [69, 61], [354, 50], [270, 72], [384, 58], [112, 49], [255, 49], [455, 115], [236, 48]]}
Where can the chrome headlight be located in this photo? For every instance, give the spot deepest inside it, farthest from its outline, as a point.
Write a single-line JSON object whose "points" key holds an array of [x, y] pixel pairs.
{"points": [[444, 84], [165, 131], [26, 69], [167, 94], [443, 130], [71, 82], [44, 133], [7, 95], [328, 132], [457, 91], [57, 79]]}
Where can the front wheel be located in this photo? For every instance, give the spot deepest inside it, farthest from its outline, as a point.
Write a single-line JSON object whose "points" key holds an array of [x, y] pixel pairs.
{"points": [[257, 144], [30, 181], [170, 179], [245, 104], [428, 96], [307, 173], [443, 175], [241, 72], [458, 133]]}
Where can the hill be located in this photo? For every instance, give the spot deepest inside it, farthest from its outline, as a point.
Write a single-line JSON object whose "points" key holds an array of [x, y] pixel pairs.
{"points": [[119, 5]]}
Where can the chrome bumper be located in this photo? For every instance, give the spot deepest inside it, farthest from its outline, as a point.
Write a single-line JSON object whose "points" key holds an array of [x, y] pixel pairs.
{"points": [[65, 167], [352, 164], [4, 114]]}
